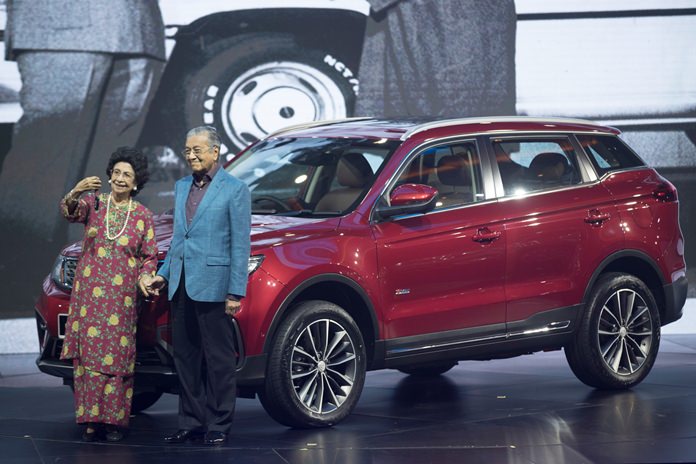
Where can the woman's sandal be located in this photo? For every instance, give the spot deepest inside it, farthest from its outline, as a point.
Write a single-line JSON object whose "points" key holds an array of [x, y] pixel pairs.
{"points": [[90, 432]]}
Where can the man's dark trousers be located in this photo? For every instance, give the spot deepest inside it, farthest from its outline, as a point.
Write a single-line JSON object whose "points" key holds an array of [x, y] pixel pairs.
{"points": [[203, 336]]}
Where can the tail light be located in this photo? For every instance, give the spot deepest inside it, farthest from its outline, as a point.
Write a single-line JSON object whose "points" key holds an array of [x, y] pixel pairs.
{"points": [[665, 192]]}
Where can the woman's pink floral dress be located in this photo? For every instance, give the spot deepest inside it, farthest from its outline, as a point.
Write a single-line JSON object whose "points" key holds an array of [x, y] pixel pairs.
{"points": [[102, 320]]}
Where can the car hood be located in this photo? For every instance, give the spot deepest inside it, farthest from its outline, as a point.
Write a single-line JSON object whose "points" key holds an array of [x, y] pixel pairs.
{"points": [[265, 231]]}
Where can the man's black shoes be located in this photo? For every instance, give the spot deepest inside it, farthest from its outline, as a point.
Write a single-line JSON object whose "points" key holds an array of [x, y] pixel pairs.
{"points": [[215, 438], [183, 435]]}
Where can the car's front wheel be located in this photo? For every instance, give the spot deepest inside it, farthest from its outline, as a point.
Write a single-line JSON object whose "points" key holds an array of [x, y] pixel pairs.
{"points": [[619, 335], [316, 367]]}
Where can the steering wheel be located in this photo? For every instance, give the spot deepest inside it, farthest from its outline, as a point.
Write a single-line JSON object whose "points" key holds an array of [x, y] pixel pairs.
{"points": [[275, 200]]}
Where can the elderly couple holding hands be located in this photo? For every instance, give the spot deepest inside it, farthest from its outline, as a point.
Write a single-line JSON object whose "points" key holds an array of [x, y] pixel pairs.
{"points": [[119, 256]]}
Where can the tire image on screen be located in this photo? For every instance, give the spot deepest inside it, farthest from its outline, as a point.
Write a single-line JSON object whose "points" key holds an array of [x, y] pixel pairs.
{"points": [[316, 367], [255, 84], [619, 334]]}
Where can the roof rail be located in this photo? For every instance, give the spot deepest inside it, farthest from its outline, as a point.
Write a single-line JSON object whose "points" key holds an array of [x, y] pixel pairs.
{"points": [[489, 120], [309, 125]]}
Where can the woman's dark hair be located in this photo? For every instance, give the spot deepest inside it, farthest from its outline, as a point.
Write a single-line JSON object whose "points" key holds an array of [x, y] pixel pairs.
{"points": [[136, 159]]}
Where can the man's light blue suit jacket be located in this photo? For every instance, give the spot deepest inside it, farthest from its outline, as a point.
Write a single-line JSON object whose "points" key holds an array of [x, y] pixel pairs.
{"points": [[214, 249]]}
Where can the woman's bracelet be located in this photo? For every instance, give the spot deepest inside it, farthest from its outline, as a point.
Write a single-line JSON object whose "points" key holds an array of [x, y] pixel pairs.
{"points": [[70, 196]]}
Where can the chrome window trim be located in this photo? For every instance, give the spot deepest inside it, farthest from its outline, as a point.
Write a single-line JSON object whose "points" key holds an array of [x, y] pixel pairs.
{"points": [[490, 189]]}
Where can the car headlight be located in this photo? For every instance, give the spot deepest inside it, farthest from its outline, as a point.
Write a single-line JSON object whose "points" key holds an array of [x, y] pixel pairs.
{"points": [[63, 272], [255, 262]]}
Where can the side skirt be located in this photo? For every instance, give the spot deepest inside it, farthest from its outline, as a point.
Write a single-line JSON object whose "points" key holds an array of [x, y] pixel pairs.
{"points": [[547, 330]]}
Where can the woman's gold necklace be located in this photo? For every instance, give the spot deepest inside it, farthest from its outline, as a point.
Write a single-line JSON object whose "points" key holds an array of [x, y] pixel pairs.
{"points": [[106, 220]]}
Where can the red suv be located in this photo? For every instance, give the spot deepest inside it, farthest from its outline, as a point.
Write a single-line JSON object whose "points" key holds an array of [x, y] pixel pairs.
{"points": [[413, 245]]}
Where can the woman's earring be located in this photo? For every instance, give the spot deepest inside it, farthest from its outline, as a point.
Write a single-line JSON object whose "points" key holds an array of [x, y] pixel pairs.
{"points": [[135, 188], [109, 180]]}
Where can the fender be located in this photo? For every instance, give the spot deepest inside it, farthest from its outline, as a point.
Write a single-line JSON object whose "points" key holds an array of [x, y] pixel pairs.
{"points": [[618, 255], [285, 305]]}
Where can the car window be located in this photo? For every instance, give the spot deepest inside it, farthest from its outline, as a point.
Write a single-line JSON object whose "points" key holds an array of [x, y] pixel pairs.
{"points": [[453, 169], [528, 165], [608, 153], [310, 176]]}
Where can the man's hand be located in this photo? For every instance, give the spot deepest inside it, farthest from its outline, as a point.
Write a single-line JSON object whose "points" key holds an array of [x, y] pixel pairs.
{"points": [[232, 306], [144, 283], [154, 285]]}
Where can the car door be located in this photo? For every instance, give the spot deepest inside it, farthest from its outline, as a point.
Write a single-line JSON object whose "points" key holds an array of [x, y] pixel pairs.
{"points": [[559, 225], [442, 273]]}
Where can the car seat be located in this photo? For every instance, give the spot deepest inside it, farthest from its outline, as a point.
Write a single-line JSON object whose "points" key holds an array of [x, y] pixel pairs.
{"points": [[353, 173], [549, 169], [454, 174]]}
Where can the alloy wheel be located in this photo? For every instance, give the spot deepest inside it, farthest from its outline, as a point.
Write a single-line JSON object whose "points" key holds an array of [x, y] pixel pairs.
{"points": [[625, 332], [323, 366]]}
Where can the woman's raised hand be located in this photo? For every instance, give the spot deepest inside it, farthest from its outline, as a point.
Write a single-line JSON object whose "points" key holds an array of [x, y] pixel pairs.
{"points": [[88, 183]]}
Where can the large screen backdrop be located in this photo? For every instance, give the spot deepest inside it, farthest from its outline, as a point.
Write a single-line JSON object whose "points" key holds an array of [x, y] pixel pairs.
{"points": [[86, 76]]}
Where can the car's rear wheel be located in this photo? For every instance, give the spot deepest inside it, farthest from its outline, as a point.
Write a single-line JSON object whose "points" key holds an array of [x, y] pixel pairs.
{"points": [[429, 370], [316, 367], [619, 335]]}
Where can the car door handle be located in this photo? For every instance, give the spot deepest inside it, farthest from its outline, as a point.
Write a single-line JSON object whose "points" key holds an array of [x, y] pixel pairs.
{"points": [[596, 217], [485, 235]]}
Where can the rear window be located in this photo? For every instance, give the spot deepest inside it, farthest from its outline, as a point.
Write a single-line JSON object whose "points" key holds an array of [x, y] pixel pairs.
{"points": [[609, 153], [532, 164]]}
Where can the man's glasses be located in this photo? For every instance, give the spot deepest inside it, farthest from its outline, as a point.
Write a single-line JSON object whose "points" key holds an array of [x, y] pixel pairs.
{"points": [[197, 151]]}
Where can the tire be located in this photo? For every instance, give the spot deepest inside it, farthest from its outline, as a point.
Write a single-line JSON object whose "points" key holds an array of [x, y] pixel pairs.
{"points": [[291, 394], [617, 340], [144, 399], [252, 85], [429, 370]]}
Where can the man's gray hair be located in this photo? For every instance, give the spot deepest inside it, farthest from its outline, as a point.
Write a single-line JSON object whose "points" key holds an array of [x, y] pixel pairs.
{"points": [[209, 131]]}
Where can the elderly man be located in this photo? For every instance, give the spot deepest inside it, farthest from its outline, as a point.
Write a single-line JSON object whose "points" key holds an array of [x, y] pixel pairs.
{"points": [[206, 270]]}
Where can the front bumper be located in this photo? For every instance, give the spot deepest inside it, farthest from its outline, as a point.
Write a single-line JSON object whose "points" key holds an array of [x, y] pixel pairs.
{"points": [[154, 370]]}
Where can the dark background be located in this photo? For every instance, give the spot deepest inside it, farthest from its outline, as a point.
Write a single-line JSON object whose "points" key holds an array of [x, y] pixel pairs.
{"points": [[607, 61]]}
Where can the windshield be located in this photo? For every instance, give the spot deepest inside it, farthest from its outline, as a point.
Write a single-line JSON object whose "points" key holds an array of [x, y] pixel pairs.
{"points": [[311, 176]]}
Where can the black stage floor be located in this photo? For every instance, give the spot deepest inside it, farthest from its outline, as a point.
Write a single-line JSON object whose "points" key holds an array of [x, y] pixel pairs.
{"points": [[529, 409]]}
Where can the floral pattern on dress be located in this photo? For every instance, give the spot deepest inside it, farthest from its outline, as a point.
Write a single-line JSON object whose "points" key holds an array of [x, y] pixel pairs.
{"points": [[101, 398], [102, 320]]}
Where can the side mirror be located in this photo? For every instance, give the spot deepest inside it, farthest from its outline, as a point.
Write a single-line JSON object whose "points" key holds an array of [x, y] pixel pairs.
{"points": [[409, 199]]}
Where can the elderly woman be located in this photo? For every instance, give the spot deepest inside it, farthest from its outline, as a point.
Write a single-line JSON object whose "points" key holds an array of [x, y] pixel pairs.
{"points": [[118, 251]]}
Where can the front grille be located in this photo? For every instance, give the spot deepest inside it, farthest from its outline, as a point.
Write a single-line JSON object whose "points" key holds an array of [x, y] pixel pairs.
{"points": [[147, 357], [68, 271]]}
